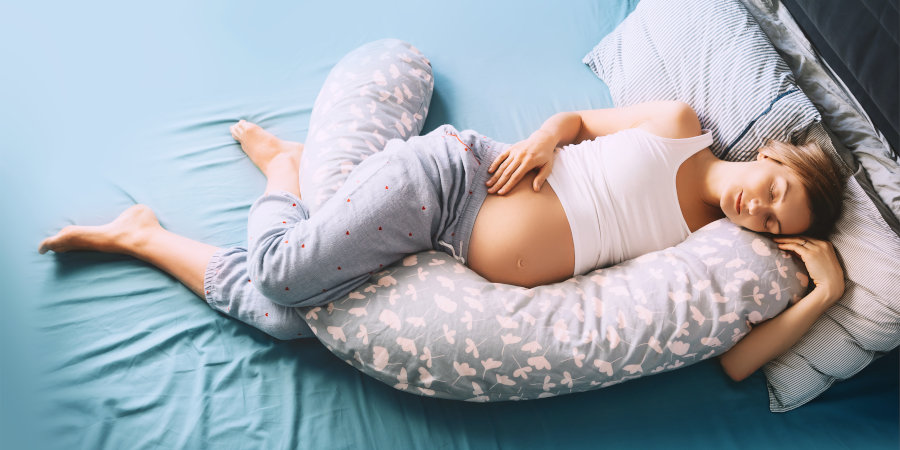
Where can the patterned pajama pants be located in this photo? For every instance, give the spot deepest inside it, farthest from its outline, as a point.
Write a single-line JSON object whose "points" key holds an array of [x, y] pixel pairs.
{"points": [[415, 195]]}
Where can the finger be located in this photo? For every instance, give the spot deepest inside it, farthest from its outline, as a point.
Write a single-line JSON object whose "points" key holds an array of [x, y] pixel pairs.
{"points": [[514, 179], [796, 248], [498, 160], [542, 176], [499, 173], [507, 173]]}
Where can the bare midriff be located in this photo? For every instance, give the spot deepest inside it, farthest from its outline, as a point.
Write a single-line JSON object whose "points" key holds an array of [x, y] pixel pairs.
{"points": [[522, 237]]}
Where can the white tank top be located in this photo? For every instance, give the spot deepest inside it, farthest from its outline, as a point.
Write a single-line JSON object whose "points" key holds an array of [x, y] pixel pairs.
{"points": [[619, 194]]}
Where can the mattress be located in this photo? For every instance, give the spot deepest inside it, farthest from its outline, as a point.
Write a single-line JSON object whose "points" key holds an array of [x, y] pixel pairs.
{"points": [[106, 105]]}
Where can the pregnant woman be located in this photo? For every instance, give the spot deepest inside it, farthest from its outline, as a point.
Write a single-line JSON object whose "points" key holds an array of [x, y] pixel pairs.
{"points": [[620, 182]]}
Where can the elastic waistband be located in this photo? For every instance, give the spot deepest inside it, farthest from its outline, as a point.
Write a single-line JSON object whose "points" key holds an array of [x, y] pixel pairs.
{"points": [[485, 151]]}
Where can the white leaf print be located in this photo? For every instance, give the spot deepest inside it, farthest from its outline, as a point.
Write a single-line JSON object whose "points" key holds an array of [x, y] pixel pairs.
{"points": [[697, 315], [471, 347], [337, 333], [804, 280], [561, 331], [393, 296], [579, 357], [463, 369], [446, 282], [380, 357], [459, 268], [678, 347], [476, 389], [444, 303], [395, 72], [760, 247], [539, 362], [355, 295], [472, 291], [311, 314], [403, 381], [598, 307], [425, 377], [729, 318], [407, 345], [683, 330], [776, 289], [448, 334], [410, 260], [370, 288], [644, 314], [411, 291], [621, 321], [679, 296], [426, 356], [599, 279], [546, 395], [491, 363], [654, 344], [425, 391], [507, 322], [604, 367], [755, 317], [718, 298], [467, 319], [423, 274], [633, 369], [363, 333], [732, 286], [757, 297], [702, 284], [547, 384], [528, 318], [567, 379], [416, 321], [330, 308], [522, 372], [504, 380], [390, 319], [358, 312], [532, 347], [736, 262], [711, 341], [379, 79], [746, 275], [577, 309], [386, 281], [509, 338], [437, 262], [612, 336]]}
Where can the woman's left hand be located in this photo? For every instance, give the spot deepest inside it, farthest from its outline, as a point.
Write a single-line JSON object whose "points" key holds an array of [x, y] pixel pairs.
{"points": [[821, 263]]}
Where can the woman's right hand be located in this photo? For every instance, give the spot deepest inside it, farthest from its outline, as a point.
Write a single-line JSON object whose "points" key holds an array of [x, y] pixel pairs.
{"points": [[821, 263], [520, 158]]}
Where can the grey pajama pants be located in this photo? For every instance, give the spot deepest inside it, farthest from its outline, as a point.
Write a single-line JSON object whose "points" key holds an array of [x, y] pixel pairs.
{"points": [[413, 196]]}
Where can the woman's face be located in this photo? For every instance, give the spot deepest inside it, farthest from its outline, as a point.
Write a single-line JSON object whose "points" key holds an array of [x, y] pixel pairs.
{"points": [[767, 197]]}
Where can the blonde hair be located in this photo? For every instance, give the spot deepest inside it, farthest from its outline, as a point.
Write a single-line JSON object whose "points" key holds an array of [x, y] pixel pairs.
{"points": [[820, 176]]}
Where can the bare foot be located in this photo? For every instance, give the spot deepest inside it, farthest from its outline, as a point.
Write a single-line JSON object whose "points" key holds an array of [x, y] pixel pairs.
{"points": [[131, 228], [260, 145]]}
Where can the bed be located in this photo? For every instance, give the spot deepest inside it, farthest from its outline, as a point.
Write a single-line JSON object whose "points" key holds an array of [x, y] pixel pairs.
{"points": [[111, 105]]}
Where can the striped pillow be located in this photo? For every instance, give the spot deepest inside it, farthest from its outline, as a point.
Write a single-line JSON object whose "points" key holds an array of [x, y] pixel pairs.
{"points": [[712, 55], [865, 323]]}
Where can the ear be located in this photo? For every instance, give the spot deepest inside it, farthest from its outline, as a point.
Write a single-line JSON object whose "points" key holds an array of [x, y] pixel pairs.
{"points": [[760, 156]]}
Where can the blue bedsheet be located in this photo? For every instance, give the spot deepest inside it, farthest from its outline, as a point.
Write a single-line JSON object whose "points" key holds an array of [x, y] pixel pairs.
{"points": [[108, 105]]}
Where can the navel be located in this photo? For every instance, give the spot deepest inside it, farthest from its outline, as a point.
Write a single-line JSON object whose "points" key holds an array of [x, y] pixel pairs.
{"points": [[520, 263]]}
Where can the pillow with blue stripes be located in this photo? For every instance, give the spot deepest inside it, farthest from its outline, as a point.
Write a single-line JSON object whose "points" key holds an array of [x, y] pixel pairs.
{"points": [[712, 55]]}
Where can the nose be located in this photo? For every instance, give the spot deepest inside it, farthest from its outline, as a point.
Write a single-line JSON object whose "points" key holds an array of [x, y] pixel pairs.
{"points": [[755, 206]]}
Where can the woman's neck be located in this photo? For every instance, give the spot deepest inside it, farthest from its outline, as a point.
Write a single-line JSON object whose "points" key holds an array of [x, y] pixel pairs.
{"points": [[715, 174]]}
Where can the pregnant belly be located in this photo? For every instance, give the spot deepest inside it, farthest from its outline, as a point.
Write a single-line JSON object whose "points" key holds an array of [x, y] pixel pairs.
{"points": [[522, 237]]}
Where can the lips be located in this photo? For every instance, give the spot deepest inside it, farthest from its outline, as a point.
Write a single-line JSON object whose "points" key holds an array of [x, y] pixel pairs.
{"points": [[737, 206]]}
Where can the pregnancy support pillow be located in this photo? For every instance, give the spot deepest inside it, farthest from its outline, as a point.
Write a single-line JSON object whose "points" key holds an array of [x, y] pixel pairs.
{"points": [[431, 326]]}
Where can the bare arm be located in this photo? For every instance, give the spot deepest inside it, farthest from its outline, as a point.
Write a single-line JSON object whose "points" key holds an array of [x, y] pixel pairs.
{"points": [[664, 118], [775, 336]]}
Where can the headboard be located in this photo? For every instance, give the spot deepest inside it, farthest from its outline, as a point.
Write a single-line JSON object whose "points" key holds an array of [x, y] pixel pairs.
{"points": [[860, 40]]}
